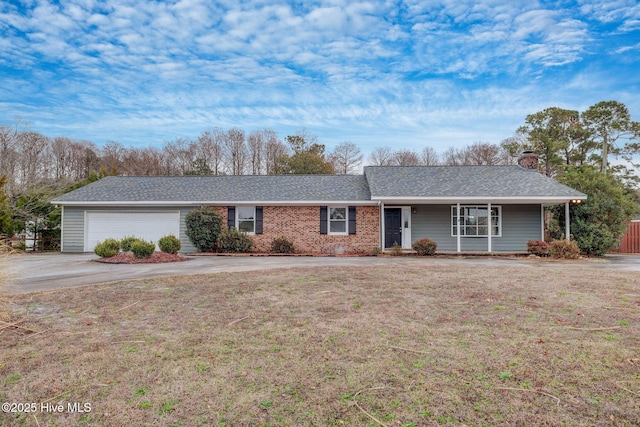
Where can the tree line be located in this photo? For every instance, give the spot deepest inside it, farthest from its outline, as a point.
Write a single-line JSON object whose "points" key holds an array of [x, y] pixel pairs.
{"points": [[35, 168], [28, 158]]}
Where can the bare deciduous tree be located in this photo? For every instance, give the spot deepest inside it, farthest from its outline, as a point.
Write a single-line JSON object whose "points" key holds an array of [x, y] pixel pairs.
{"points": [[381, 156], [210, 148], [346, 158], [61, 152], [8, 154], [112, 157], [275, 150], [256, 144], [429, 157], [181, 155], [32, 149], [406, 158], [236, 151], [484, 153], [453, 156]]}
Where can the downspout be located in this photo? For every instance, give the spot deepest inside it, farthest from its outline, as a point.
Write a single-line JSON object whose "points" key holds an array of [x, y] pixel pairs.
{"points": [[62, 229]]}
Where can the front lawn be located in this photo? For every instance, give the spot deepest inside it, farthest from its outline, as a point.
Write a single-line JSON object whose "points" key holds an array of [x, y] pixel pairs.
{"points": [[550, 344]]}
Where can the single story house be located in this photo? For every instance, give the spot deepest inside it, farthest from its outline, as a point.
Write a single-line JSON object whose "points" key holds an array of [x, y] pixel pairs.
{"points": [[462, 208]]}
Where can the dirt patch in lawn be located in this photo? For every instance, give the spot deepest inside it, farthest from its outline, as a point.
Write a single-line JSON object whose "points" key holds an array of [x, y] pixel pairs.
{"points": [[403, 346], [129, 258]]}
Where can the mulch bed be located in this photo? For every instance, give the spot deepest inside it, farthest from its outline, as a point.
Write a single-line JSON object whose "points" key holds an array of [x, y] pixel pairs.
{"points": [[129, 258]]}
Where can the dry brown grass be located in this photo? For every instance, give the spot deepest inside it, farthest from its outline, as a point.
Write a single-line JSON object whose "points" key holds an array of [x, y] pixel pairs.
{"points": [[5, 249], [399, 347]]}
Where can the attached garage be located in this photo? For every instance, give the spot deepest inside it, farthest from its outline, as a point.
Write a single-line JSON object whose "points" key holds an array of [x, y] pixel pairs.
{"points": [[151, 226], [83, 226]]}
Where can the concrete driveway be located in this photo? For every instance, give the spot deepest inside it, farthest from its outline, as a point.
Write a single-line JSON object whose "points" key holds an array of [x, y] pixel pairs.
{"points": [[40, 272]]}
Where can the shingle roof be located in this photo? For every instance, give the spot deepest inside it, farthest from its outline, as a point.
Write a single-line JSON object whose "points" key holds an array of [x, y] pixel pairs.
{"points": [[377, 183], [463, 181], [244, 188]]}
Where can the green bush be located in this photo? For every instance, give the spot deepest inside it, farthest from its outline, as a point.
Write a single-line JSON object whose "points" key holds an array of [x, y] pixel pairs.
{"points": [[142, 249], [594, 239], [233, 240], [125, 244], [564, 249], [282, 245], [203, 226], [169, 244], [598, 223], [538, 247], [107, 249], [425, 247]]}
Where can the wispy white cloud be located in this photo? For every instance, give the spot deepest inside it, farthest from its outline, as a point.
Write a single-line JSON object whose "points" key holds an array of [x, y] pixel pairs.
{"points": [[448, 71]]}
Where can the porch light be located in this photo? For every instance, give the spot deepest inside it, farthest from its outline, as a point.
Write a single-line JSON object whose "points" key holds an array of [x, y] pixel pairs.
{"points": [[414, 210], [576, 202]]}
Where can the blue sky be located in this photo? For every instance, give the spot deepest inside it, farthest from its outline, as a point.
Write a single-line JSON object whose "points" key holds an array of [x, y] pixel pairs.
{"points": [[404, 74]]}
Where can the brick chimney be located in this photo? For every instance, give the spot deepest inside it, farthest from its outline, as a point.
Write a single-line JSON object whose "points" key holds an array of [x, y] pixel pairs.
{"points": [[528, 160]]}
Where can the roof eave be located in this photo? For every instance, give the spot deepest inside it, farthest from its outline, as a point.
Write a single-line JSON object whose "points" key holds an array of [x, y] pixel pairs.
{"points": [[481, 199], [214, 203]]}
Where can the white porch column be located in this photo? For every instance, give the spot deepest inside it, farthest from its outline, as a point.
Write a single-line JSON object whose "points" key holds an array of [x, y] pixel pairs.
{"points": [[490, 227], [381, 226], [541, 222], [567, 226], [458, 226]]}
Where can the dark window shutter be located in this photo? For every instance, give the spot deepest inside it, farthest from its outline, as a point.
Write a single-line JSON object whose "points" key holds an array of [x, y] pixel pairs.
{"points": [[258, 219], [231, 216], [323, 220], [352, 220]]}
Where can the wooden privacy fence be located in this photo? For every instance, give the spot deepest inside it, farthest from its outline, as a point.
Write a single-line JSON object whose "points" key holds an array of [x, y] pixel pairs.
{"points": [[631, 240]]}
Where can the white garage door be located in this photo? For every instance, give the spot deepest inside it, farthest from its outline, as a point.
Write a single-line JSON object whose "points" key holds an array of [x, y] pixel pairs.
{"points": [[146, 225]]}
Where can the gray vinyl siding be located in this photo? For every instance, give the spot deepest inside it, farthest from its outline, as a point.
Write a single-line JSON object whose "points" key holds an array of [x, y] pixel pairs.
{"points": [[185, 242], [72, 229], [73, 225], [520, 223]]}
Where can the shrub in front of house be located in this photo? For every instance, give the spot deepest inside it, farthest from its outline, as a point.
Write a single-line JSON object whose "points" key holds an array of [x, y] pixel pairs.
{"points": [[203, 226], [108, 248], [538, 247], [143, 249], [425, 247], [282, 245], [125, 243], [395, 249], [564, 249], [234, 241], [169, 244]]}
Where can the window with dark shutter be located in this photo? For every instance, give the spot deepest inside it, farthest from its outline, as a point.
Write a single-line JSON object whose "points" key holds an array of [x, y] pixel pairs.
{"points": [[231, 216], [258, 219], [352, 220], [323, 220]]}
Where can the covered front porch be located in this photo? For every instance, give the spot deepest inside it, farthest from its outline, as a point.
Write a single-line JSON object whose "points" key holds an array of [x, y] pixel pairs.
{"points": [[466, 226]]}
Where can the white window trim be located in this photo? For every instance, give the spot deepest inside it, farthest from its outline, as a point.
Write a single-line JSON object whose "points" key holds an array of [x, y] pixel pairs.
{"points": [[250, 233], [346, 221], [489, 226]]}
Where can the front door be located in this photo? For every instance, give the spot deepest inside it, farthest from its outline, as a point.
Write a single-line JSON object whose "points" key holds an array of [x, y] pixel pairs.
{"points": [[392, 227]]}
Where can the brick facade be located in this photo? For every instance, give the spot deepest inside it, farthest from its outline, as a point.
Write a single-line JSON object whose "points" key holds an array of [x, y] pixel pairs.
{"points": [[301, 225]]}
